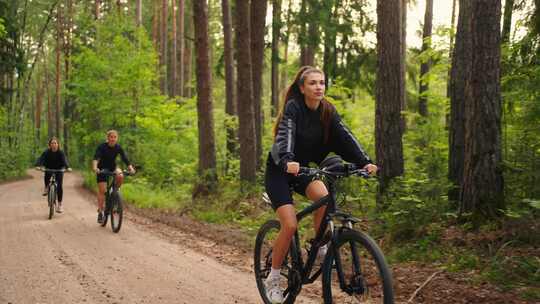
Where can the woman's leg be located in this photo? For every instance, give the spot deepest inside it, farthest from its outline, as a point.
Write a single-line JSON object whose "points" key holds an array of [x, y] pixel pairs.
{"points": [[101, 194], [59, 188], [47, 178], [287, 219], [315, 191]]}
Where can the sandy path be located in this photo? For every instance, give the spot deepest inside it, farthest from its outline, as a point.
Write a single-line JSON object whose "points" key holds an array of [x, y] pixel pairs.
{"points": [[71, 259]]}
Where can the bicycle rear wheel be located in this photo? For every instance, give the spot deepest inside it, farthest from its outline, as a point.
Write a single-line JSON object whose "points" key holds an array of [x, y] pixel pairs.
{"points": [[355, 271], [116, 211], [263, 263], [51, 199]]}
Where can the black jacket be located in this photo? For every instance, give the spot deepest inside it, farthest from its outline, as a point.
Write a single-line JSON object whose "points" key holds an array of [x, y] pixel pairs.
{"points": [[300, 137], [106, 156], [53, 160]]}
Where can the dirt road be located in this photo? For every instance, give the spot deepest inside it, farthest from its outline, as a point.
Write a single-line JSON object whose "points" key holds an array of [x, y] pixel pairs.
{"points": [[71, 259]]}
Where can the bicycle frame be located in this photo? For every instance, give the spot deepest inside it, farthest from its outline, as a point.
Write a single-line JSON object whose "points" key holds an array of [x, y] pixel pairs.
{"points": [[53, 175], [53, 180], [111, 185], [307, 267]]}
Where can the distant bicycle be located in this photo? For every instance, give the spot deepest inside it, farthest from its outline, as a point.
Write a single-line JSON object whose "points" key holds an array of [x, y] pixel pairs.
{"points": [[354, 269], [113, 201], [51, 189]]}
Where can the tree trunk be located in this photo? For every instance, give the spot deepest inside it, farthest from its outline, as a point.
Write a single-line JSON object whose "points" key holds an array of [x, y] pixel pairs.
{"points": [[119, 7], [330, 40], [312, 32], [452, 26], [247, 136], [276, 28], [50, 117], [425, 66], [58, 68], [403, 67], [483, 186], [174, 69], [207, 149], [39, 107], [155, 25], [450, 55], [181, 40], [230, 104], [507, 21], [459, 80], [164, 45], [188, 59], [286, 37], [389, 92], [68, 105], [302, 35], [138, 13], [258, 18], [97, 9]]}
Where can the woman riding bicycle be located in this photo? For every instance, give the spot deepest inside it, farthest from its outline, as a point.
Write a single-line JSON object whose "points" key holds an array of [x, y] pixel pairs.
{"points": [[54, 158], [105, 159], [307, 130]]}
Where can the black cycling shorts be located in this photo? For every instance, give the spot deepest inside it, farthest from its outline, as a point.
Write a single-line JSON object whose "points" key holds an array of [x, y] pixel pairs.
{"points": [[279, 184], [102, 178]]}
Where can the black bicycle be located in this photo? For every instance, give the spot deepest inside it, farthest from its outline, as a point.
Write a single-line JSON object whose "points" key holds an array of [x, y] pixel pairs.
{"points": [[52, 194], [354, 269], [113, 201]]}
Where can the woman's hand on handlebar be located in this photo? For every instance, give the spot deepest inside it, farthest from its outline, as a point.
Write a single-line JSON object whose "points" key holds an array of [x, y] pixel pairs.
{"points": [[131, 169], [293, 168], [371, 169]]}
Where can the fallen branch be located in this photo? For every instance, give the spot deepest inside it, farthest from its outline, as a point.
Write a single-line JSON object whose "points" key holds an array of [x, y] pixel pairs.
{"points": [[422, 286]]}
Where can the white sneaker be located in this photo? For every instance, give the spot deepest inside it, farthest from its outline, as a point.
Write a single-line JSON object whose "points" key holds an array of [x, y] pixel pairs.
{"points": [[274, 292], [59, 208]]}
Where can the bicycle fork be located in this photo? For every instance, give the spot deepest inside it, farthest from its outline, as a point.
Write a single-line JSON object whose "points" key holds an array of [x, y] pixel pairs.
{"points": [[356, 283]]}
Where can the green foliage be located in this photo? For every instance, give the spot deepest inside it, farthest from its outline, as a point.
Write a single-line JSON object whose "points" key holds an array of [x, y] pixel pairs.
{"points": [[114, 80], [2, 28], [419, 197], [521, 123]]}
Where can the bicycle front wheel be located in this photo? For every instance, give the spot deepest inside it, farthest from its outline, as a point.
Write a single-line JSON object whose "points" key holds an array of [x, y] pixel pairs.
{"points": [[355, 271], [116, 212], [263, 263], [51, 199]]}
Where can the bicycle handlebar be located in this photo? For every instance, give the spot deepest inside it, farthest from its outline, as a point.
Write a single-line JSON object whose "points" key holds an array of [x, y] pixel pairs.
{"points": [[52, 170], [113, 173], [347, 170]]}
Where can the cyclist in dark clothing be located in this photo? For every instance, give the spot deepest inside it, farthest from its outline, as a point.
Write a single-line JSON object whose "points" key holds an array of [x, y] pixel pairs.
{"points": [[307, 130], [105, 159], [54, 158]]}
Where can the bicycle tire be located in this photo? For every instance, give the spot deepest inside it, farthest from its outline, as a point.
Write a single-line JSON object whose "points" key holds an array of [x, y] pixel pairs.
{"points": [[51, 199], [372, 285], [116, 212], [263, 260]]}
